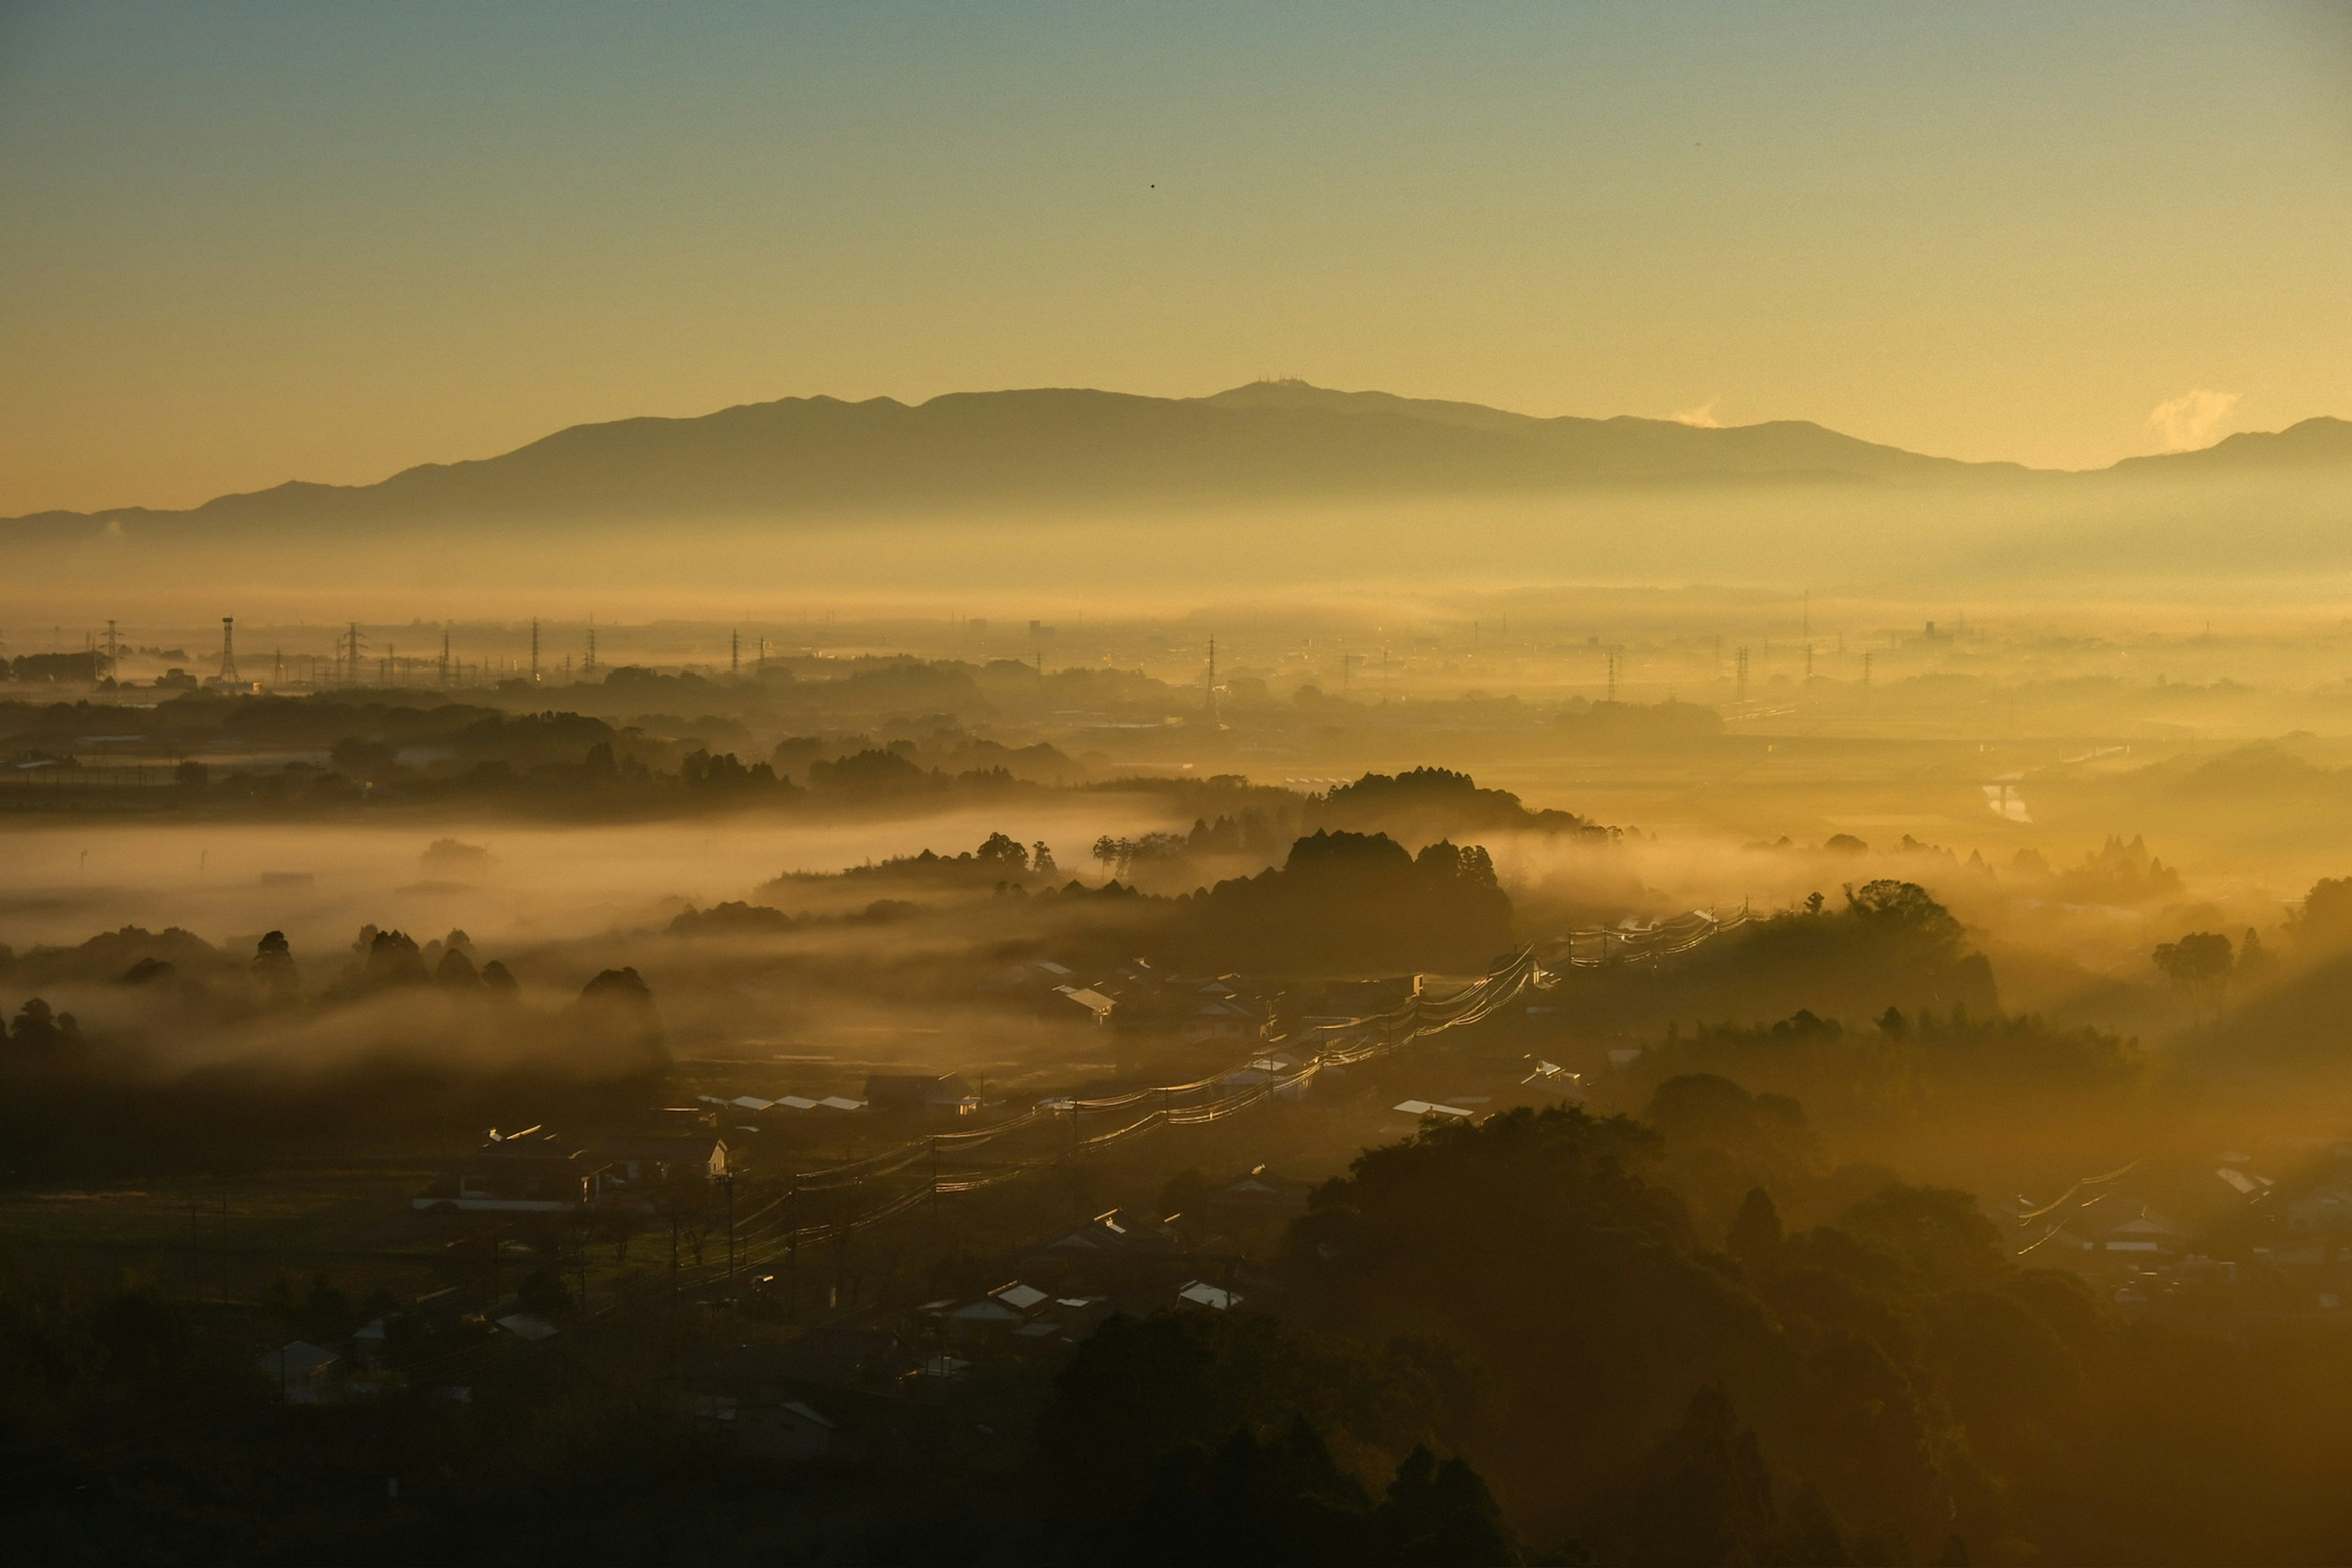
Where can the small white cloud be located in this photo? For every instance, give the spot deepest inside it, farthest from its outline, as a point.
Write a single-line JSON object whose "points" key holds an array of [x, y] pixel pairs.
{"points": [[2189, 420], [1703, 417]]}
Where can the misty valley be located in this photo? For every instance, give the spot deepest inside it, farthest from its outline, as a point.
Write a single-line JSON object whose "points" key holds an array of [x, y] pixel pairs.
{"points": [[1702, 1077]]}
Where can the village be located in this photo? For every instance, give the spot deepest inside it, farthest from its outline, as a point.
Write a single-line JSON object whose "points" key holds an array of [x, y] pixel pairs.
{"points": [[896, 1267]]}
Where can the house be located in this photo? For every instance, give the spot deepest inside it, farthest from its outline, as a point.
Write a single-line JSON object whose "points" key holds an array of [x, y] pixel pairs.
{"points": [[530, 1171], [1108, 1236], [1095, 1007], [766, 1426], [2245, 1183], [368, 1344], [1193, 1011], [1224, 1012], [666, 1157], [305, 1373], [2144, 1232], [1005, 1309], [1058, 1322], [639, 1173], [1019, 1296], [1214, 1297], [919, 1092], [1261, 1191], [1554, 1077]]}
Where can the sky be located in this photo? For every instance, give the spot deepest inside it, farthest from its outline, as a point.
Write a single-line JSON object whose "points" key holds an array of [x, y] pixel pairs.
{"points": [[243, 243]]}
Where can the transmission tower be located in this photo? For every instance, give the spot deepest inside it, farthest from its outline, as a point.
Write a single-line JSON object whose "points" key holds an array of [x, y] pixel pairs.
{"points": [[588, 665], [534, 650], [734, 654], [1740, 696], [228, 650]]}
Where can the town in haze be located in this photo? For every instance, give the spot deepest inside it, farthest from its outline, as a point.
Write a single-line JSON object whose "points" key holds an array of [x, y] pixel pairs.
{"points": [[1295, 785]]}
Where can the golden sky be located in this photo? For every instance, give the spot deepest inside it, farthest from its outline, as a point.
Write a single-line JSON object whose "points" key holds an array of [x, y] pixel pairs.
{"points": [[246, 243]]}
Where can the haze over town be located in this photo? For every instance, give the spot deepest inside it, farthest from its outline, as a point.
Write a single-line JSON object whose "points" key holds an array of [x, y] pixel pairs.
{"points": [[1295, 785]]}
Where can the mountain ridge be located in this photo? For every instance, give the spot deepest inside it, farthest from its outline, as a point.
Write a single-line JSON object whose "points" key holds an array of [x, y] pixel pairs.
{"points": [[1074, 446]]}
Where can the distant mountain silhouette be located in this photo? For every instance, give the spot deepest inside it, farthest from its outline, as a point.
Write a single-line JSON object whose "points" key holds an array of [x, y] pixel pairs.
{"points": [[2318, 443], [1060, 449]]}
